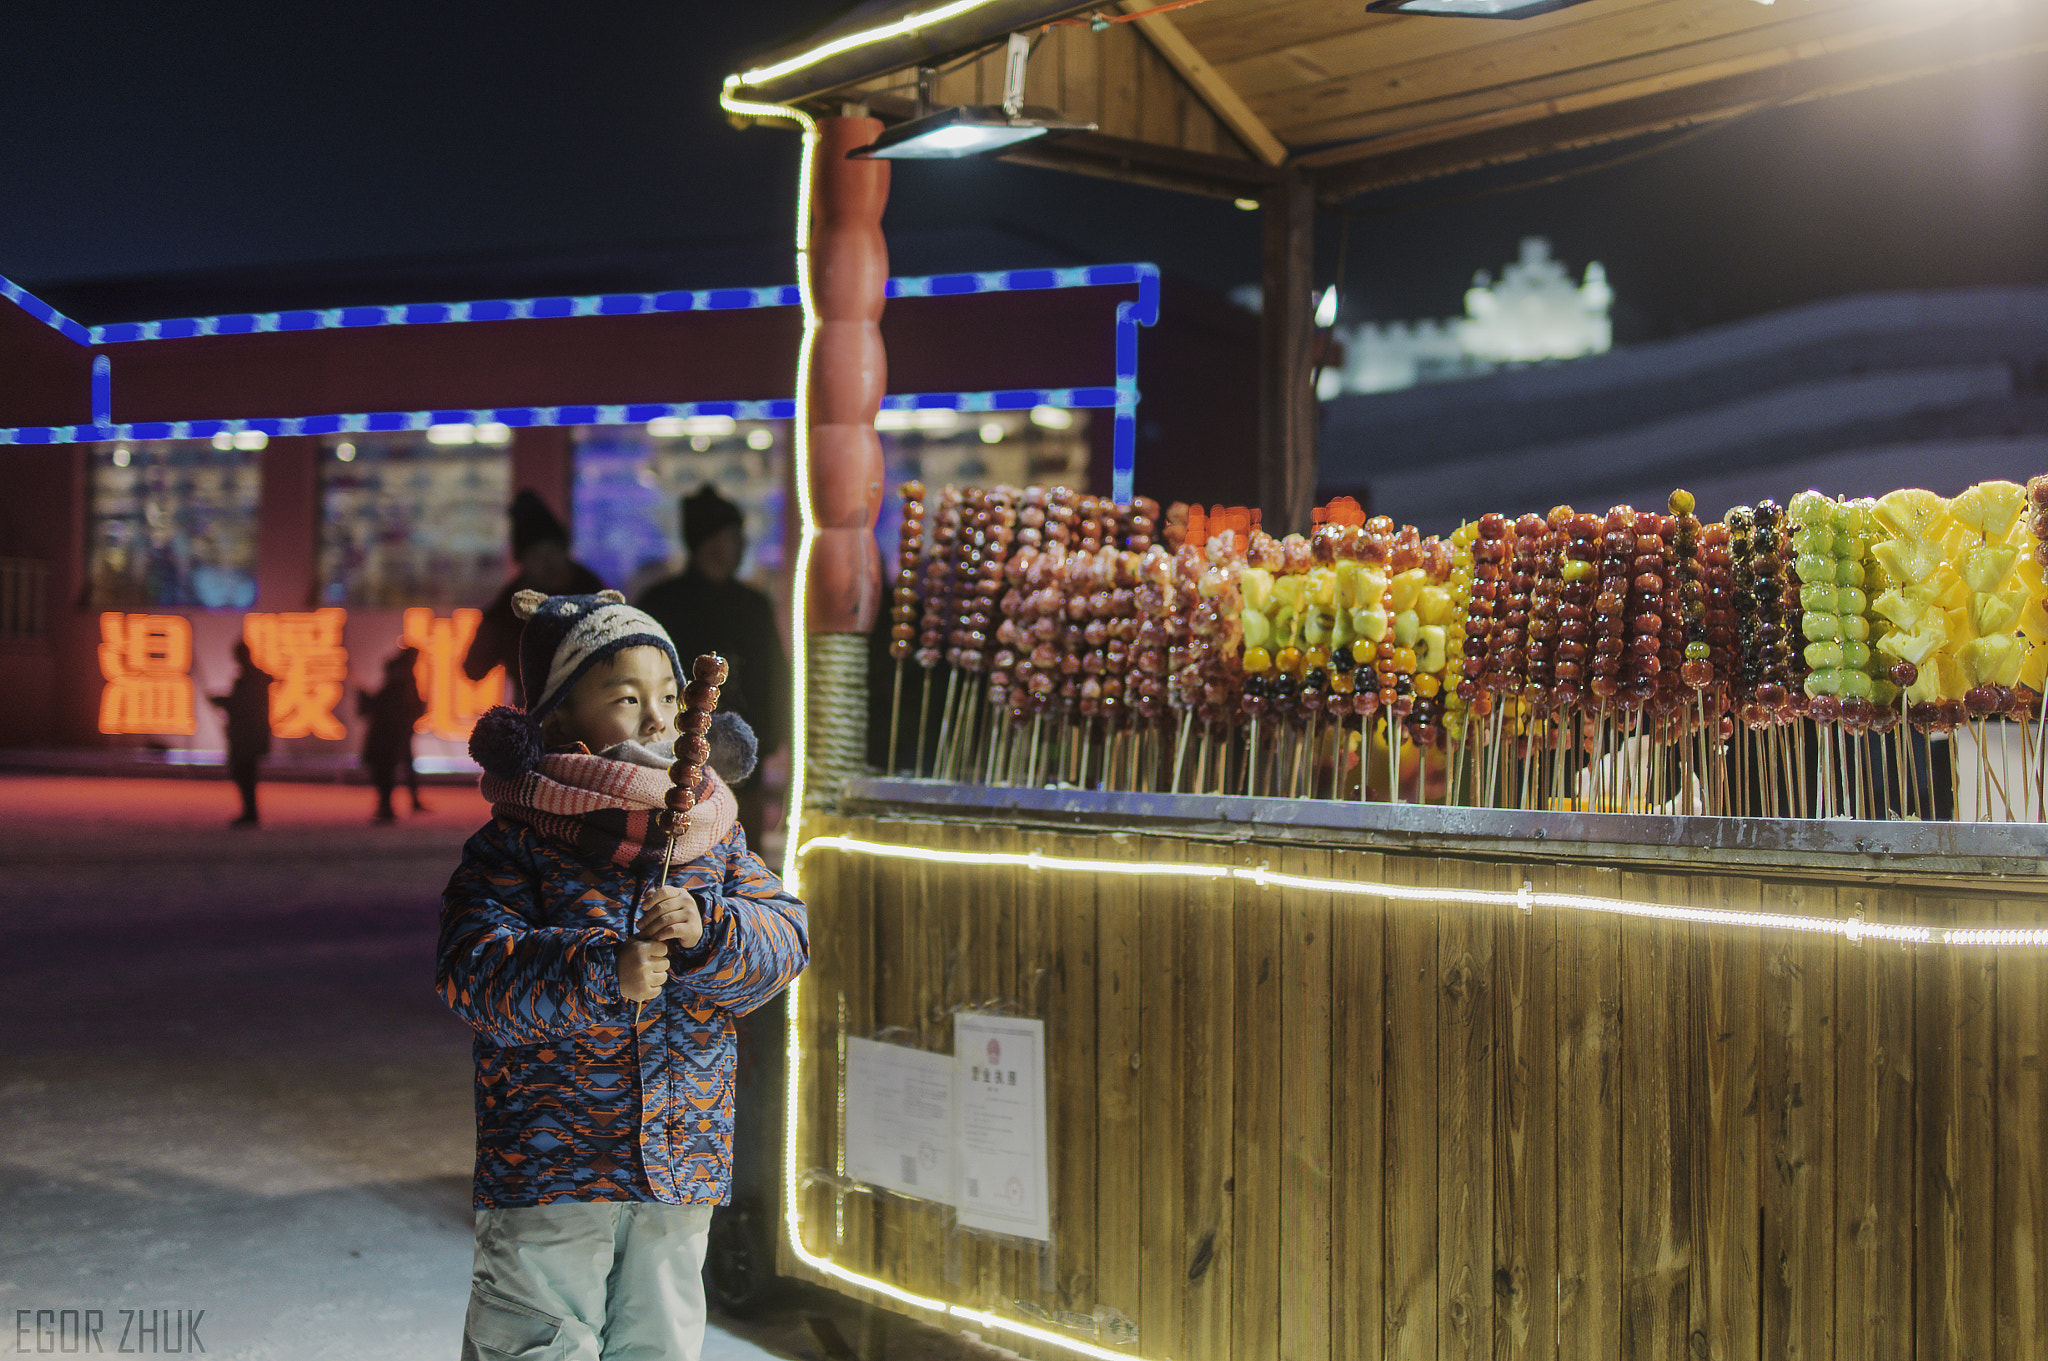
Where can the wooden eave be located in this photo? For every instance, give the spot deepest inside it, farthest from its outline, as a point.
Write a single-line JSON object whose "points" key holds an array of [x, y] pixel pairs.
{"points": [[1230, 96]]}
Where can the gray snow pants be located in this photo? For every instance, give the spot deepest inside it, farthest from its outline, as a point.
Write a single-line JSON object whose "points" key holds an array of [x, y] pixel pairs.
{"points": [[605, 1281]]}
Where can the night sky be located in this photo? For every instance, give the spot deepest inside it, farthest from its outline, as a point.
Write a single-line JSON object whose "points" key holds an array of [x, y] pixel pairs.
{"points": [[144, 141]]}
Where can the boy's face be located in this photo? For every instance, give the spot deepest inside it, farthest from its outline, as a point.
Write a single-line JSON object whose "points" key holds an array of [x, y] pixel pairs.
{"points": [[631, 698]]}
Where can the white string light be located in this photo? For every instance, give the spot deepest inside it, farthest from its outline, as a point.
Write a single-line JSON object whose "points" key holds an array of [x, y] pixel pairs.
{"points": [[909, 23], [988, 1320], [1851, 929]]}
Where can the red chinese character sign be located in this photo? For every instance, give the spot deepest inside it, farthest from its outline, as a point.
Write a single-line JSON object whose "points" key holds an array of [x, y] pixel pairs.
{"points": [[147, 662], [308, 665], [453, 699]]}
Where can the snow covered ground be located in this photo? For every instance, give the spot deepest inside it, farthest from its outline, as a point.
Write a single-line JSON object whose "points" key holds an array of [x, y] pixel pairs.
{"points": [[227, 1085]]}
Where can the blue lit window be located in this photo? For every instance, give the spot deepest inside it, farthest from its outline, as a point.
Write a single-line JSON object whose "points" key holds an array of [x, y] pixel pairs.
{"points": [[173, 524], [629, 478], [414, 517]]}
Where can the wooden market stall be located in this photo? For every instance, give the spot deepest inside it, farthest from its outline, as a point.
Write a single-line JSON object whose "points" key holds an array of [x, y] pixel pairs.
{"points": [[1311, 1121], [1359, 1079]]}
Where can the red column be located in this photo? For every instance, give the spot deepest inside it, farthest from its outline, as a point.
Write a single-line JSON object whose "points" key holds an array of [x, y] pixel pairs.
{"points": [[544, 458], [288, 524], [849, 373]]}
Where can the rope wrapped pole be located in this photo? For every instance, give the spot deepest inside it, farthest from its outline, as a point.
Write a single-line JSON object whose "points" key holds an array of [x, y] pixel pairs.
{"points": [[836, 714]]}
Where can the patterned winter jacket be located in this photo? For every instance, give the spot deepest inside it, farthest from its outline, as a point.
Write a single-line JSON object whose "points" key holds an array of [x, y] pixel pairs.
{"points": [[576, 1099]]}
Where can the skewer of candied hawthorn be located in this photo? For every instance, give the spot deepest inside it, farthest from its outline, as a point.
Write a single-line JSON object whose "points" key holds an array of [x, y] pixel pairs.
{"points": [[961, 568], [1642, 661], [1748, 677], [1071, 577], [903, 610], [937, 571], [1512, 643], [1491, 550], [1696, 663], [1011, 659], [692, 752], [1546, 594], [1143, 523], [1153, 598], [693, 749], [1579, 574], [1118, 693], [995, 530]]}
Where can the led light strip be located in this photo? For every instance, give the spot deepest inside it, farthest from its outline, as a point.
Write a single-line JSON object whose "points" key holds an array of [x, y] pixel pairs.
{"points": [[1852, 929], [43, 312], [1144, 276], [761, 75], [374, 422]]}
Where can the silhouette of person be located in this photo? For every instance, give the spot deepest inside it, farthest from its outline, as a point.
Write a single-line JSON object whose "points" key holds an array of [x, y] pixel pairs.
{"points": [[387, 743], [540, 547], [705, 608], [246, 708]]}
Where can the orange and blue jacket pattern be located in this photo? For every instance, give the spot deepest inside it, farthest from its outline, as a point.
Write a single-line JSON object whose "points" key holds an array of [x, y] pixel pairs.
{"points": [[577, 1097]]}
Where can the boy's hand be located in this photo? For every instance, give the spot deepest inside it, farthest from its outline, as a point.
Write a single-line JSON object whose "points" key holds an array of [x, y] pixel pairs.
{"points": [[670, 914], [643, 968]]}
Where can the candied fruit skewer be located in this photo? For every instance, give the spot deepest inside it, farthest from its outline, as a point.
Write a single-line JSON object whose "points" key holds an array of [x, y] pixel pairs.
{"points": [[936, 571], [903, 610]]}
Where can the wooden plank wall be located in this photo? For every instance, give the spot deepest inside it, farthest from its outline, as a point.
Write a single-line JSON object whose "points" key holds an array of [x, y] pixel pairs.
{"points": [[1292, 1124], [1114, 79]]}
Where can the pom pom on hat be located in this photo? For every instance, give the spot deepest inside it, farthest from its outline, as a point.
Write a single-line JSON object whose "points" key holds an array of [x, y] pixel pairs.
{"points": [[733, 748], [505, 742]]}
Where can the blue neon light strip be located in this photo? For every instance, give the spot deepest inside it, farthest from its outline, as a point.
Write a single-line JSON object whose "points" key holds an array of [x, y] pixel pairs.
{"points": [[42, 311], [1123, 397], [381, 422], [598, 305], [446, 313]]}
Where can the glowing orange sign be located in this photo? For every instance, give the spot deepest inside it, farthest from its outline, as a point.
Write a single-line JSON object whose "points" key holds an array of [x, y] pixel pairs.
{"points": [[309, 665], [453, 699], [147, 662]]}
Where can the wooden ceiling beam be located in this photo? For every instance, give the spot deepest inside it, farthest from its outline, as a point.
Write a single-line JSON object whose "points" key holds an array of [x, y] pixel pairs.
{"points": [[1201, 77], [1794, 44], [1547, 129], [1163, 167]]}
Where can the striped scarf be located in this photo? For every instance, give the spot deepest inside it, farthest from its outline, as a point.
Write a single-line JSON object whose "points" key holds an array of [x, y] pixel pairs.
{"points": [[604, 810]]}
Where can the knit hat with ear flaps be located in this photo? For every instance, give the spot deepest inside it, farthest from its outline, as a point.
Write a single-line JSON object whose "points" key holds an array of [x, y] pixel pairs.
{"points": [[565, 635]]}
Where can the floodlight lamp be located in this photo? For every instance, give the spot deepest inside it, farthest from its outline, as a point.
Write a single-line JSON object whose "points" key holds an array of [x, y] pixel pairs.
{"points": [[1472, 9], [966, 130]]}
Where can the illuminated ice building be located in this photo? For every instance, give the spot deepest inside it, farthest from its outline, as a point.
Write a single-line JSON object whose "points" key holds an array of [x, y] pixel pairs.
{"points": [[1854, 395], [1535, 312]]}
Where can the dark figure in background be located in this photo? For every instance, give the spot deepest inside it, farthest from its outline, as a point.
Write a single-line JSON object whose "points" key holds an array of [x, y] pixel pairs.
{"points": [[540, 547], [705, 609], [387, 745], [246, 708]]}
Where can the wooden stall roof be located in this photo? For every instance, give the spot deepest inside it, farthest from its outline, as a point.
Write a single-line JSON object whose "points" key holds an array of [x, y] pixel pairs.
{"points": [[1230, 96]]}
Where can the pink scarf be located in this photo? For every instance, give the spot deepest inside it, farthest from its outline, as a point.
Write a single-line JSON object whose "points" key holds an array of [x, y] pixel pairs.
{"points": [[604, 810]]}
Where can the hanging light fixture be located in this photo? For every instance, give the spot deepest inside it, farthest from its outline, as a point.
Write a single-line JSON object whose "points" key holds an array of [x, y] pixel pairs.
{"points": [[971, 129]]}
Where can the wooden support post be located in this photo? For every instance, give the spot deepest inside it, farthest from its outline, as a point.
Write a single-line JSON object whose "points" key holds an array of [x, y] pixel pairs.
{"points": [[1287, 399], [849, 265], [849, 373]]}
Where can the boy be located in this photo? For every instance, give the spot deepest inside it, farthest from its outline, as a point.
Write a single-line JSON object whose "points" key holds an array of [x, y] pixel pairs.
{"points": [[602, 1001]]}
